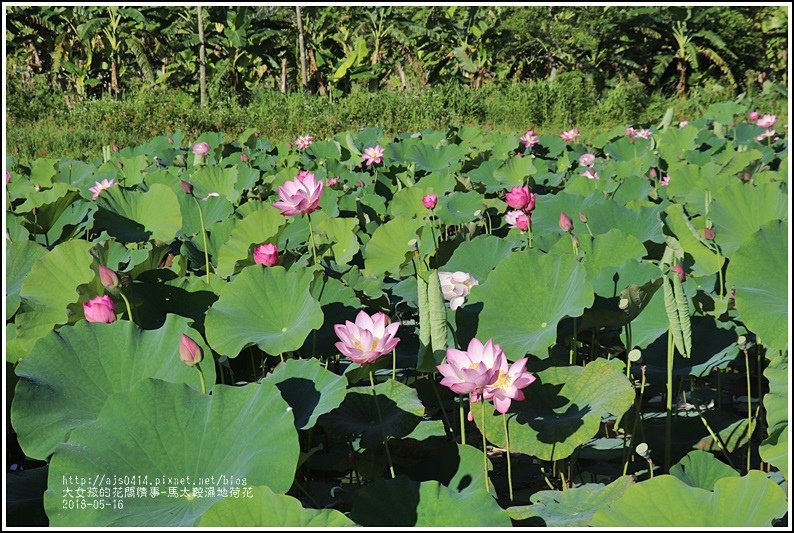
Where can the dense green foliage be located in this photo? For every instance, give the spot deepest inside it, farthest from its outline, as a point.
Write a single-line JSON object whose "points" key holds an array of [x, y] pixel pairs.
{"points": [[624, 423], [99, 50]]}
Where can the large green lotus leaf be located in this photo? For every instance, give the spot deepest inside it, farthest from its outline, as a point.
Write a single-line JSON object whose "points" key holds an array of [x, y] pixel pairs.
{"points": [[167, 430], [607, 251], [213, 209], [665, 501], [460, 207], [21, 257], [514, 172], [525, 297], [574, 507], [706, 260], [758, 271], [66, 379], [562, 410], [266, 306], [389, 246], [133, 216], [408, 202], [626, 149], [329, 150], [214, 179], [478, 256], [54, 283], [402, 502], [132, 169], [358, 414], [672, 142], [701, 469], [50, 205], [774, 449], [265, 508], [432, 159], [341, 233], [740, 209], [256, 228], [309, 389], [602, 214]]}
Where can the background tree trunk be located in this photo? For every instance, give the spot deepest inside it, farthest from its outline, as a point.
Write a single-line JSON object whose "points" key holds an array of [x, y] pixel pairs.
{"points": [[202, 60], [283, 74], [301, 46]]}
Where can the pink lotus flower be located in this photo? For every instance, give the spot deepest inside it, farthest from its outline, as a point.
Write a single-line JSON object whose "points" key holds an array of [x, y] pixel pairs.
{"points": [[303, 142], [709, 234], [521, 198], [332, 181], [109, 279], [590, 174], [767, 121], [299, 196], [586, 160], [508, 384], [429, 201], [266, 254], [683, 123], [455, 286], [566, 224], [753, 116], [643, 134], [665, 180], [8, 177], [471, 371], [518, 220], [368, 338], [570, 135], [101, 186], [100, 309], [373, 155], [201, 149], [630, 132], [529, 139], [679, 270], [767, 133], [189, 352]]}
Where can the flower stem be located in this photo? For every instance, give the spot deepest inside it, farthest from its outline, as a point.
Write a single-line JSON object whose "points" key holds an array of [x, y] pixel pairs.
{"points": [[201, 379], [204, 239], [484, 448], [462, 424], [380, 420], [447, 423], [394, 364], [311, 239], [669, 423], [127, 303], [509, 468], [749, 408]]}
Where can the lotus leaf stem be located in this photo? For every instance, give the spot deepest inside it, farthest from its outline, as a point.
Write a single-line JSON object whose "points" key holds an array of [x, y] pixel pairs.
{"points": [[380, 421]]}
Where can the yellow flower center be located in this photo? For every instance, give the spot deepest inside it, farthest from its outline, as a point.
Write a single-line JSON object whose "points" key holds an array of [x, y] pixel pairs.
{"points": [[502, 380]]}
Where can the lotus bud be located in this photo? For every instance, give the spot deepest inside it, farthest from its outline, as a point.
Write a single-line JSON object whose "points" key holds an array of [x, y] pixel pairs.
{"points": [[522, 222], [753, 116], [429, 201], [186, 186], [108, 278], [115, 147], [582, 217], [679, 270], [100, 309], [566, 224], [200, 150], [708, 233], [332, 181], [244, 158], [189, 352], [266, 254]]}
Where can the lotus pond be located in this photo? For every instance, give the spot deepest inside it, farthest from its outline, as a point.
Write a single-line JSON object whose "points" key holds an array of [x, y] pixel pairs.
{"points": [[442, 328]]}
